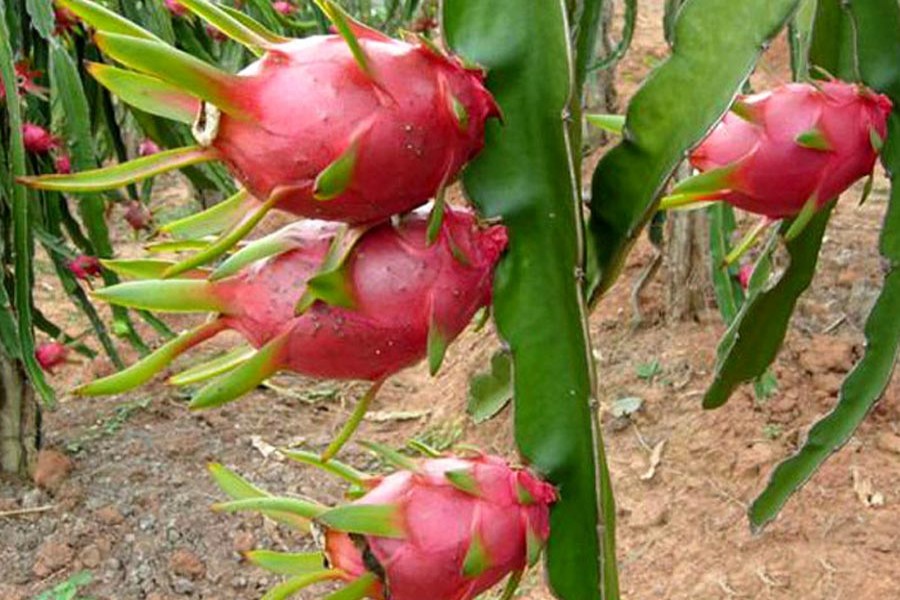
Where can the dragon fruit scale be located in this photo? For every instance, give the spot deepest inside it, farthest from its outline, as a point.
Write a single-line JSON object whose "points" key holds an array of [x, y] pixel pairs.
{"points": [[353, 127], [391, 299], [445, 528], [797, 146]]}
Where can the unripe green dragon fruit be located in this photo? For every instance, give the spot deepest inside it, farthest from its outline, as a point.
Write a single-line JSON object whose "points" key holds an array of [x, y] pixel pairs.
{"points": [[443, 528]]}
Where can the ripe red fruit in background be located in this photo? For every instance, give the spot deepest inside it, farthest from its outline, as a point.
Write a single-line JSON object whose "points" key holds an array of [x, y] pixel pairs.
{"points": [[37, 140], [50, 355], [85, 267], [795, 143]]}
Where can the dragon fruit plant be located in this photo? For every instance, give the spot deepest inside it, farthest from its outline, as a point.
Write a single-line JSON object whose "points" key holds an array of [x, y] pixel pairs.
{"points": [[320, 301], [353, 127], [787, 152], [442, 528]]}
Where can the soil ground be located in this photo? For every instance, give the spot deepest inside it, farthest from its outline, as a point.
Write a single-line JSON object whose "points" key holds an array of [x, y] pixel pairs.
{"points": [[134, 509]]}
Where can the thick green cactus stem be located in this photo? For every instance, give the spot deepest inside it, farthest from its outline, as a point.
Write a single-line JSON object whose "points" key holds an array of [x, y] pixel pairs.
{"points": [[287, 563], [255, 370], [103, 19], [177, 295], [352, 424], [175, 67], [144, 370], [99, 180], [213, 368], [227, 24], [224, 243], [211, 221], [295, 584], [147, 93], [382, 520]]}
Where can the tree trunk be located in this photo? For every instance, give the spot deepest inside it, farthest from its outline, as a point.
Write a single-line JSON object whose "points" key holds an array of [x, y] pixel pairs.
{"points": [[687, 261], [20, 420]]}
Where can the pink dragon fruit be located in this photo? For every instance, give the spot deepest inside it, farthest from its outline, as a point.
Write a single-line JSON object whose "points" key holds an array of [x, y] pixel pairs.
{"points": [[284, 8], [467, 523], [65, 20], [50, 355], [393, 298], [38, 140], [796, 146], [137, 216], [147, 147], [447, 528], [26, 81], [63, 164], [744, 275], [85, 267], [354, 129], [388, 144], [175, 8]]}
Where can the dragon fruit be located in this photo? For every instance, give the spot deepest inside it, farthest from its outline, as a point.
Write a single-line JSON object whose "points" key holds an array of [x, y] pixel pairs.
{"points": [[85, 267], [50, 355], [38, 140], [26, 81], [391, 299], [137, 216], [284, 8], [353, 127], [63, 164], [148, 147], [446, 528], [796, 147], [175, 8]]}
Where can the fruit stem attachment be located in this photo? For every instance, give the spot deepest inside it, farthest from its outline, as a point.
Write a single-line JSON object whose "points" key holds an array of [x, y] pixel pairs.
{"points": [[802, 219]]}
